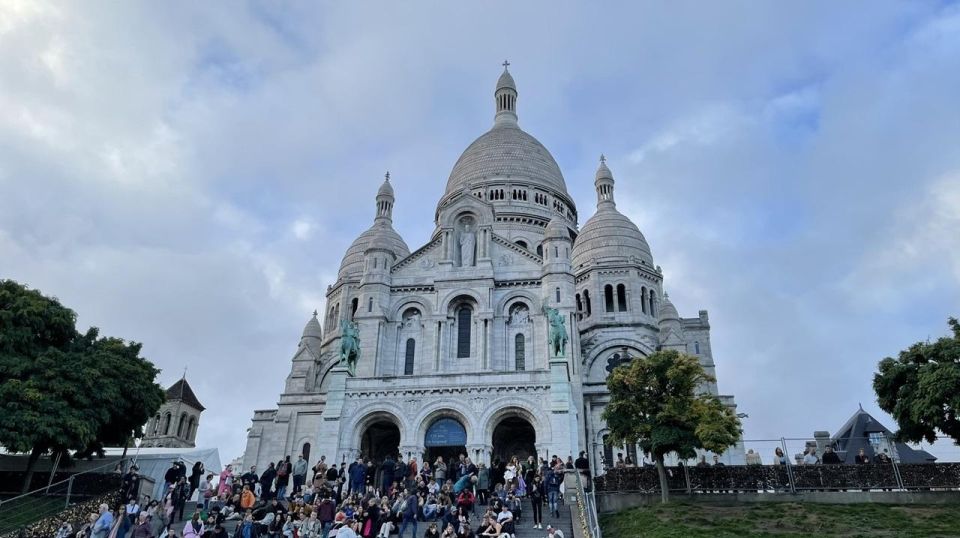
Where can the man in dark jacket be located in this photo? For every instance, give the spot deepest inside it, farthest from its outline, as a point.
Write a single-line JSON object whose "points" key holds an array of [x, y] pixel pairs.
{"points": [[387, 468], [266, 480], [358, 475], [409, 513]]}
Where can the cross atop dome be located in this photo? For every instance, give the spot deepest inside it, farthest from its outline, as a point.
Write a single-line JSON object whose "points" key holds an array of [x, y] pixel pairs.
{"points": [[386, 177], [506, 97]]}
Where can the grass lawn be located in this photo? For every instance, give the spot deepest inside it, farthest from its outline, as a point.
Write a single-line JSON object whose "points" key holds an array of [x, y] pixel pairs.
{"points": [[683, 520]]}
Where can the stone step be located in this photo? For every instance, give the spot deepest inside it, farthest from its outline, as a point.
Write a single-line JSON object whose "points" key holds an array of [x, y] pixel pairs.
{"points": [[564, 522]]}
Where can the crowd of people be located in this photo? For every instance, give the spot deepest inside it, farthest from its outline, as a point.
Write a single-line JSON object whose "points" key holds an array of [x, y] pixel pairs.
{"points": [[453, 498]]}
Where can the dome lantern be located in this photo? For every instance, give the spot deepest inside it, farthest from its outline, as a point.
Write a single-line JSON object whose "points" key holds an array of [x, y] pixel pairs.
{"points": [[385, 199], [506, 97], [604, 183]]}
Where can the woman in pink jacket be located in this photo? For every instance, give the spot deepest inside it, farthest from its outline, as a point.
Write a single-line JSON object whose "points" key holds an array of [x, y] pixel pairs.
{"points": [[226, 481], [194, 527]]}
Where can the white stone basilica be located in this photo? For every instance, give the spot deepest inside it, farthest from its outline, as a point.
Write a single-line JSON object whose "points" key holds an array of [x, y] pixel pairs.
{"points": [[454, 337]]}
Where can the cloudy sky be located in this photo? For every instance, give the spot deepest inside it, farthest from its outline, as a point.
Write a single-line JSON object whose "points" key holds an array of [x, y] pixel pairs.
{"points": [[188, 175]]}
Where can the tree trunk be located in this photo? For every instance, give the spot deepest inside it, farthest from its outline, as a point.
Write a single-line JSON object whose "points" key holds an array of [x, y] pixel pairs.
{"points": [[662, 471], [31, 466]]}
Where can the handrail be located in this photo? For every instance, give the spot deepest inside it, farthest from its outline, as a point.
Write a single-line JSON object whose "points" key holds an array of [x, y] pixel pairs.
{"points": [[64, 481], [587, 505]]}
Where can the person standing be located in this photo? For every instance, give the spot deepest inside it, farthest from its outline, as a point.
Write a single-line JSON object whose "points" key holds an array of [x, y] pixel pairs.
{"points": [[862, 457], [536, 494], [387, 469], [266, 481], [299, 474], [195, 475], [409, 513], [358, 475], [554, 479], [283, 477]]}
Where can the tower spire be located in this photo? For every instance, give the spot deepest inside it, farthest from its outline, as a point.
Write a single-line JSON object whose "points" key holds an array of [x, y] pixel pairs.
{"points": [[604, 184], [505, 97], [385, 200]]}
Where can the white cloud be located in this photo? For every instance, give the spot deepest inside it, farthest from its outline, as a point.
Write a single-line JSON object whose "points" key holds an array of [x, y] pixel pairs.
{"points": [[190, 178]]}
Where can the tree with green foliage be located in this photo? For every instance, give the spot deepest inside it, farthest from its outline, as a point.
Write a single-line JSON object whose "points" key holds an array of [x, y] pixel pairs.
{"points": [[659, 403], [921, 388], [61, 390]]}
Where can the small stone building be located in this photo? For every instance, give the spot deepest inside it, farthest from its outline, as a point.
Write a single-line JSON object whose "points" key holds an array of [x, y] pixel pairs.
{"points": [[175, 424]]}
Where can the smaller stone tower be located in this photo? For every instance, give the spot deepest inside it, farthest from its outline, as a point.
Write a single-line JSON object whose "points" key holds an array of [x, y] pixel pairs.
{"points": [[176, 423]]}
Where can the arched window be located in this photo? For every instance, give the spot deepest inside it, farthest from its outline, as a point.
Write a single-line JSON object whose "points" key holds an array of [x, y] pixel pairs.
{"points": [[607, 452], [643, 299], [579, 304], [556, 252], [540, 250], [586, 302], [558, 295], [696, 347], [621, 298], [522, 244], [336, 314], [653, 303], [183, 420], [464, 321], [354, 304], [306, 451], [519, 347], [191, 428], [408, 357], [370, 304], [156, 424], [167, 419], [608, 297]]}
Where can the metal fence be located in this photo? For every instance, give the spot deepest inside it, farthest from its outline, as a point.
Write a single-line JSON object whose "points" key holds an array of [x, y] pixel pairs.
{"points": [[906, 469], [19, 511]]}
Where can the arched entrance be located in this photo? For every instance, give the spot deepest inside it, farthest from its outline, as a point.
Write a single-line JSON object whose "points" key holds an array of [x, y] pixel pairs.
{"points": [[381, 438], [446, 438], [514, 436]]}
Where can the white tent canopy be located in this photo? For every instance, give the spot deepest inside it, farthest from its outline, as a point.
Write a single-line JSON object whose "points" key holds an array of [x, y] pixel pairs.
{"points": [[154, 462]]}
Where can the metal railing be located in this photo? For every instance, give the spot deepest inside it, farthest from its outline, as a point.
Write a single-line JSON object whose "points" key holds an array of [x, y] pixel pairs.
{"points": [[25, 509], [587, 508]]}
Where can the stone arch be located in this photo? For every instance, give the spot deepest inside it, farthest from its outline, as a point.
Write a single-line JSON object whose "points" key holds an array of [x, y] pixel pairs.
{"points": [[298, 446], [481, 211], [446, 304], [607, 348], [515, 407], [401, 305], [450, 409], [503, 305], [378, 411]]}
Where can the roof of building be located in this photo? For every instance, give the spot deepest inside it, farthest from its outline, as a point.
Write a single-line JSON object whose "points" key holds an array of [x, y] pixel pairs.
{"points": [[506, 151], [382, 235], [181, 391], [609, 235], [313, 328], [855, 434], [667, 310]]}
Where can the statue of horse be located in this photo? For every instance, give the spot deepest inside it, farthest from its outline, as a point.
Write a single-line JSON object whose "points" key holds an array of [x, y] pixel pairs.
{"points": [[557, 338], [349, 345]]}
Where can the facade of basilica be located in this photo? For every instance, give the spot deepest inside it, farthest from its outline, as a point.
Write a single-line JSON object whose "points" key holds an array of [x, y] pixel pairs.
{"points": [[493, 339]]}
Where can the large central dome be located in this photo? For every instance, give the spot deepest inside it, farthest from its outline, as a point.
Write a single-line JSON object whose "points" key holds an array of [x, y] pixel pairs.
{"points": [[506, 151], [509, 168]]}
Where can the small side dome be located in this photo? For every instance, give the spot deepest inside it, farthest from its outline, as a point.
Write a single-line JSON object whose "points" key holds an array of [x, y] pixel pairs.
{"points": [[386, 189], [556, 229], [312, 330], [668, 312], [380, 235]]}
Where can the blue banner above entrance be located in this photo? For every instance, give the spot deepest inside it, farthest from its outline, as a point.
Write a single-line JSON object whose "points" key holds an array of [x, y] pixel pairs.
{"points": [[446, 432]]}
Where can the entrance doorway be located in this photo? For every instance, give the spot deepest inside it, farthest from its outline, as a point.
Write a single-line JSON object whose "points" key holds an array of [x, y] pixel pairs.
{"points": [[514, 436], [446, 438], [381, 438]]}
